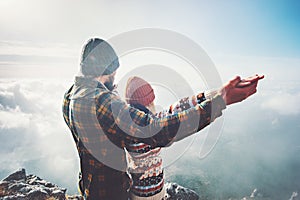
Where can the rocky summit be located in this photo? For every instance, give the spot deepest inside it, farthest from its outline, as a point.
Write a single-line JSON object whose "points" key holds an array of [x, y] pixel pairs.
{"points": [[19, 186]]}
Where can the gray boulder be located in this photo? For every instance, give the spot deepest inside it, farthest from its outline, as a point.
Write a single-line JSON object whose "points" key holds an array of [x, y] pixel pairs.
{"points": [[18, 186], [177, 192]]}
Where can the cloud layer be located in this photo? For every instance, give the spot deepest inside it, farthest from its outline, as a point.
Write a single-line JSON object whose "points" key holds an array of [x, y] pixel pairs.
{"points": [[258, 145], [33, 133]]}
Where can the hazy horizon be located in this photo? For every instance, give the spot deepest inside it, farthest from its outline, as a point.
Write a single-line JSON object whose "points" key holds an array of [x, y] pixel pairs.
{"points": [[40, 46]]}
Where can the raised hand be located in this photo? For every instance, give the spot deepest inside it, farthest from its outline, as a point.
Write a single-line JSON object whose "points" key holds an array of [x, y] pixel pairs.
{"points": [[237, 90]]}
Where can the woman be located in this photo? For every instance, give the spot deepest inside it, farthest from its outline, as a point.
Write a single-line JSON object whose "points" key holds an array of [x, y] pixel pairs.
{"points": [[145, 162]]}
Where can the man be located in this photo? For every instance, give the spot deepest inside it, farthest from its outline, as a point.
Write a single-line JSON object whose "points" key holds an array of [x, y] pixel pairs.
{"points": [[102, 125]]}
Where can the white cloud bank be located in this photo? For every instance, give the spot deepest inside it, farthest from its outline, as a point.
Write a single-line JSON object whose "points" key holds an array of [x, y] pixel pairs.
{"points": [[33, 134], [283, 103]]}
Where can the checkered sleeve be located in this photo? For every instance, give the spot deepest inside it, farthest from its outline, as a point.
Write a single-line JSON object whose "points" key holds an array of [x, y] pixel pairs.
{"points": [[65, 107], [66, 116], [157, 132]]}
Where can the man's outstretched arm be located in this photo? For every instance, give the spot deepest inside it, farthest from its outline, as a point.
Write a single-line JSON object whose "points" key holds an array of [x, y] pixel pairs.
{"points": [[188, 102], [135, 125]]}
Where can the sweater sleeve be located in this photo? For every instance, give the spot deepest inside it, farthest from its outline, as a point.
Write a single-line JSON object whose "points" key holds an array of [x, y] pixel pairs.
{"points": [[188, 102], [122, 122], [182, 104]]}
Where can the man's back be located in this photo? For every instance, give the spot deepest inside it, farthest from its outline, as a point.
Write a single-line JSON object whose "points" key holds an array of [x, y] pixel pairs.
{"points": [[99, 181]]}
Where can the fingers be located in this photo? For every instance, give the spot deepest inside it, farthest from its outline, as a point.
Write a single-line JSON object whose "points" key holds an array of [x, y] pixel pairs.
{"points": [[250, 80], [237, 90], [244, 84], [254, 78], [252, 90], [235, 81]]}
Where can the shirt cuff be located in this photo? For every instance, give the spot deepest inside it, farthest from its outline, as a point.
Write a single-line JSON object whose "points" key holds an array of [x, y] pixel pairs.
{"points": [[215, 104]]}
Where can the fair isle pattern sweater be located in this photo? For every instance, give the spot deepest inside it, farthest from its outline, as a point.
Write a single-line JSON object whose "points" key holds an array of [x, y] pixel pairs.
{"points": [[145, 162]]}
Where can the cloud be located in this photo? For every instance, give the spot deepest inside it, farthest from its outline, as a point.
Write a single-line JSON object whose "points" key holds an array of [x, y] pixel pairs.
{"points": [[32, 59], [33, 134], [13, 99], [283, 103], [25, 48], [14, 119]]}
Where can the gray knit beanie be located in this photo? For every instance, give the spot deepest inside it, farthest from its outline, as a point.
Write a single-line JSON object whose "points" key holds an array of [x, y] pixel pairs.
{"points": [[98, 58]]}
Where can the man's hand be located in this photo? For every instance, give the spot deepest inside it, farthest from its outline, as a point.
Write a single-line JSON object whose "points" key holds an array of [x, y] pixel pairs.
{"points": [[237, 90], [248, 81]]}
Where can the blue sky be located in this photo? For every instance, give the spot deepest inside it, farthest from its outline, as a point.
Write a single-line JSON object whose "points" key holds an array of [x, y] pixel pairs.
{"points": [[41, 40], [243, 28], [259, 28]]}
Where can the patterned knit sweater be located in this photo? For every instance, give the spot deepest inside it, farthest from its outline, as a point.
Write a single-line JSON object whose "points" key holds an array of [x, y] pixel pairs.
{"points": [[145, 162]]}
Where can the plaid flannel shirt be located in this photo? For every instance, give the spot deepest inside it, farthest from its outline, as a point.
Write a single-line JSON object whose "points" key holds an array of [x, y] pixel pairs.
{"points": [[102, 125]]}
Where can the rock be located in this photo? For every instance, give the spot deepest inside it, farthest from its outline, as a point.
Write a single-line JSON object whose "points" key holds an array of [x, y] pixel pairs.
{"points": [[294, 196], [19, 175], [3, 188], [37, 193], [59, 194], [177, 192], [254, 193], [15, 197], [18, 186], [75, 197]]}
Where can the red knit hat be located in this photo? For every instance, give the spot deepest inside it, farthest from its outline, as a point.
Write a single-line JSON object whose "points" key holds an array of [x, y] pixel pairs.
{"points": [[139, 91]]}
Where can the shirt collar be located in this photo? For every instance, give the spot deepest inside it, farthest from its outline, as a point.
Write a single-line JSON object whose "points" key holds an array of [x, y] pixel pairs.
{"points": [[89, 82]]}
